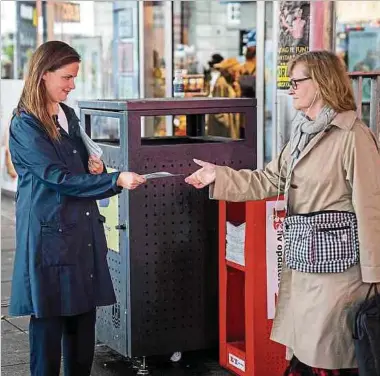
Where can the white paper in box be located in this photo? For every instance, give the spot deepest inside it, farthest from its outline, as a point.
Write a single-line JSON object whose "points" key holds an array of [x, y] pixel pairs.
{"points": [[235, 243]]}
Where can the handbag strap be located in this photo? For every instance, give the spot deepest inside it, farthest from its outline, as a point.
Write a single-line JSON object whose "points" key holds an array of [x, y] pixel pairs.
{"points": [[373, 286]]}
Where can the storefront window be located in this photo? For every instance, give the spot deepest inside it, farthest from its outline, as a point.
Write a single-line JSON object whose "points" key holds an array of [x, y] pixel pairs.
{"points": [[18, 37], [106, 36], [205, 32], [358, 41], [154, 61], [358, 34], [105, 33]]}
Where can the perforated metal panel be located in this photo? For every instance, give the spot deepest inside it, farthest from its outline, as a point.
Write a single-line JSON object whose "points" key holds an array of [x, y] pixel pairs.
{"points": [[165, 276]]}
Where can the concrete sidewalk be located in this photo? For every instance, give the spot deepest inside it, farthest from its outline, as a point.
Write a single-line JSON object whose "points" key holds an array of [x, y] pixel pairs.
{"points": [[14, 330]]}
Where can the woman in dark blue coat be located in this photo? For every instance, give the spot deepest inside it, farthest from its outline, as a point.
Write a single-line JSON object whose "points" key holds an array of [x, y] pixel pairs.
{"points": [[60, 271]]}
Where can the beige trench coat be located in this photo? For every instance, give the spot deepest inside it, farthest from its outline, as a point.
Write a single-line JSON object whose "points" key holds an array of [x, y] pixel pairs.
{"points": [[338, 170]]}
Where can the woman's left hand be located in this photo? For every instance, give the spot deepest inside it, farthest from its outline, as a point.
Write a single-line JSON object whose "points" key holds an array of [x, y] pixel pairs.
{"points": [[95, 165]]}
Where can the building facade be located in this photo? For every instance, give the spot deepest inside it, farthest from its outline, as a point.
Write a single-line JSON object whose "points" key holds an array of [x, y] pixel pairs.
{"points": [[130, 49]]}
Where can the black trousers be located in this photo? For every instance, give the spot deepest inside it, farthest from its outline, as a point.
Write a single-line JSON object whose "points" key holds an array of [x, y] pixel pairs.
{"points": [[75, 335]]}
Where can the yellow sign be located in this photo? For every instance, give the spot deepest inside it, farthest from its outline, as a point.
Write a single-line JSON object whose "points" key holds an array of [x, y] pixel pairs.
{"points": [[109, 208]]}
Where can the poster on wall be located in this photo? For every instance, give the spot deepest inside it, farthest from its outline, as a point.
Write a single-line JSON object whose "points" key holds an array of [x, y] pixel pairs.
{"points": [[275, 215], [294, 36]]}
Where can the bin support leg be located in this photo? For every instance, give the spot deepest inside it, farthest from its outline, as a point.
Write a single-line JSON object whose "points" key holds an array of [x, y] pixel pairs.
{"points": [[143, 370]]}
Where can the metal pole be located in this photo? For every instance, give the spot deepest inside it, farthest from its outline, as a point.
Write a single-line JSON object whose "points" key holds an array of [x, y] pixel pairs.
{"points": [[44, 22], [275, 37], [50, 19], [260, 83], [169, 60], [316, 25], [40, 26], [141, 59], [322, 25], [329, 26], [16, 50]]}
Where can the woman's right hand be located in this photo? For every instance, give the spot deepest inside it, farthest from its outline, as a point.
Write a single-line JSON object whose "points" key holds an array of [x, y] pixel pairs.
{"points": [[130, 180], [202, 177]]}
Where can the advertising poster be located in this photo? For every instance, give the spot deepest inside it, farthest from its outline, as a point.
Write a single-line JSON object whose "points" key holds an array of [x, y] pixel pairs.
{"points": [[109, 208], [294, 36], [275, 215]]}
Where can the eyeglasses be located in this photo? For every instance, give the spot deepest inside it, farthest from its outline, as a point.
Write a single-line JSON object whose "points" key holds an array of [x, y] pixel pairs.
{"points": [[293, 82]]}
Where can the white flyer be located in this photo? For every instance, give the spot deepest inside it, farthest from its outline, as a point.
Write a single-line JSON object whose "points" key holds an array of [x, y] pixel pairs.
{"points": [[161, 174]]}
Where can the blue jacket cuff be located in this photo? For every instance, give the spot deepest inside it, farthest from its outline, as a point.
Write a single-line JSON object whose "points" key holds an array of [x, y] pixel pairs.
{"points": [[115, 187]]}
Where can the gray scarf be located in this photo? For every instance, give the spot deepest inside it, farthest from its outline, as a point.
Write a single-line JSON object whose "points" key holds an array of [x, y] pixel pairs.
{"points": [[303, 131]]}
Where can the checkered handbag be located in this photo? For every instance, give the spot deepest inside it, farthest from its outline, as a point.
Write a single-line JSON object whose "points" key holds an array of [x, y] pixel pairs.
{"points": [[321, 242]]}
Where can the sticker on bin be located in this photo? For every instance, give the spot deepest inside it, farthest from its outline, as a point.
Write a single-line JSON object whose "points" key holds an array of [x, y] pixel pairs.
{"points": [[162, 174], [236, 362]]}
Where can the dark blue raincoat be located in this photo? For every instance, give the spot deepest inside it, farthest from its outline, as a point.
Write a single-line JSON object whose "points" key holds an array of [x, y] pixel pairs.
{"points": [[60, 264]]}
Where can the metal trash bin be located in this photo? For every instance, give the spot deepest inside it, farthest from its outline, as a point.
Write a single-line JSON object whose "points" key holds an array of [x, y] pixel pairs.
{"points": [[163, 237]]}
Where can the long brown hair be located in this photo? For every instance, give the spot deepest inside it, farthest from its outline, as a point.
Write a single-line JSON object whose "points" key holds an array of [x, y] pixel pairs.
{"points": [[48, 57], [329, 72]]}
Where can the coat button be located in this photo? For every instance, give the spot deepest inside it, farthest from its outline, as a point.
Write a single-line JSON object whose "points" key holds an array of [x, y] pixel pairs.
{"points": [[91, 276], [87, 213], [60, 230], [74, 151], [89, 244]]}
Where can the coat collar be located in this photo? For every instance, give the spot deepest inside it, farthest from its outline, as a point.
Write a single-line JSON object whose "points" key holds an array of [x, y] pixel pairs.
{"points": [[68, 111], [345, 120]]}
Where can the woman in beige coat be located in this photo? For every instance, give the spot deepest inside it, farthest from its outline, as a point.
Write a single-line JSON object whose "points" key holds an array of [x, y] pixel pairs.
{"points": [[330, 174]]}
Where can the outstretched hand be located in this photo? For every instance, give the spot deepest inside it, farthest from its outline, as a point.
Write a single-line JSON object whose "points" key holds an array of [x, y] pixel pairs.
{"points": [[202, 177], [130, 180]]}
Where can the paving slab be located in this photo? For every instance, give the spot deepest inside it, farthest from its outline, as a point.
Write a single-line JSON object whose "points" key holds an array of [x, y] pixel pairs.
{"points": [[14, 348], [15, 370], [8, 244], [7, 259], [8, 327], [20, 322], [5, 292]]}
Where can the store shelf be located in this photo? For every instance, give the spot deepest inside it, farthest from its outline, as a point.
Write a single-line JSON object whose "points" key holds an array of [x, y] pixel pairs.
{"points": [[235, 266], [236, 357]]}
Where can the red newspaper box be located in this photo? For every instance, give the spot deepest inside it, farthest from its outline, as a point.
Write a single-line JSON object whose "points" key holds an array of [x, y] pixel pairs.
{"points": [[248, 289]]}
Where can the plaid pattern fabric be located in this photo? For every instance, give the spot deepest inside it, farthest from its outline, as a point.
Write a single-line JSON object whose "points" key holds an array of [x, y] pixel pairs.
{"points": [[297, 368], [322, 242]]}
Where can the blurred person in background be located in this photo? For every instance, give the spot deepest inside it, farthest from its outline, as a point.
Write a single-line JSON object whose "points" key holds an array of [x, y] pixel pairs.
{"points": [[226, 86], [212, 74], [247, 76]]}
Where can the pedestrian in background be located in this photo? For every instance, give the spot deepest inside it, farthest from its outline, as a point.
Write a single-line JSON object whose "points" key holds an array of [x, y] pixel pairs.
{"points": [[226, 86], [60, 270]]}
